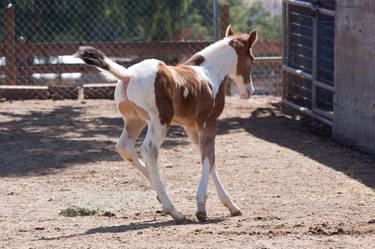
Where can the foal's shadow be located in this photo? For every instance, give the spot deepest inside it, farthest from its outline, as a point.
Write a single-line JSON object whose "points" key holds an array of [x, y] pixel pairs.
{"points": [[136, 226], [147, 224]]}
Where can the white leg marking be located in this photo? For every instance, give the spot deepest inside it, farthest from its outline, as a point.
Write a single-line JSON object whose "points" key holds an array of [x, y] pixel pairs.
{"points": [[150, 149], [223, 195], [202, 189]]}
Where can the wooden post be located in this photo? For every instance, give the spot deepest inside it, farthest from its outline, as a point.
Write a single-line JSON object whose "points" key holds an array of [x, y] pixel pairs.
{"points": [[22, 62], [224, 22], [224, 18], [10, 46]]}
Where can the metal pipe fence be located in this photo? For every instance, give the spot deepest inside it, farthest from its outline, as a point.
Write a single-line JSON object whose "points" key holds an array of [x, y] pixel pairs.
{"points": [[308, 59], [38, 37]]}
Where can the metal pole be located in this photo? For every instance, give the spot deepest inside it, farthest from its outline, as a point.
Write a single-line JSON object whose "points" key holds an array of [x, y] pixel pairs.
{"points": [[307, 112], [315, 59], [216, 28], [285, 48]]}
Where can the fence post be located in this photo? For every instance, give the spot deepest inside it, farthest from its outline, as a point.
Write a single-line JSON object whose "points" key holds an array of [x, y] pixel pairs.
{"points": [[224, 18], [10, 46], [214, 10], [224, 22]]}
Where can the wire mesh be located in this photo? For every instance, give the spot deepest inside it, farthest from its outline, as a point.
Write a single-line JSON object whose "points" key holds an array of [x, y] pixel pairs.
{"points": [[38, 37]]}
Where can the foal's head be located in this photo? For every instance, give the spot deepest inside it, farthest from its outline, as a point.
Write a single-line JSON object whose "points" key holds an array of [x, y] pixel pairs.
{"points": [[241, 73]]}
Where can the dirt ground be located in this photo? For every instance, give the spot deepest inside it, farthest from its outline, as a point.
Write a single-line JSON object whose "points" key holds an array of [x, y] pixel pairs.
{"points": [[296, 187]]}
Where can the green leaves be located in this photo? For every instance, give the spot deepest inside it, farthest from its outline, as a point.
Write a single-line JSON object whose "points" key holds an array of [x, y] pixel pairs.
{"points": [[246, 18]]}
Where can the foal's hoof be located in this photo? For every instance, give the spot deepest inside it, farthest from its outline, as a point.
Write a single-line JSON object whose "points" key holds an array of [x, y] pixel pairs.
{"points": [[236, 213], [180, 221], [201, 216], [178, 217]]}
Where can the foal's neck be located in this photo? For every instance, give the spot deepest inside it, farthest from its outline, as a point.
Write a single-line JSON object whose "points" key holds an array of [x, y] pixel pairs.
{"points": [[220, 59]]}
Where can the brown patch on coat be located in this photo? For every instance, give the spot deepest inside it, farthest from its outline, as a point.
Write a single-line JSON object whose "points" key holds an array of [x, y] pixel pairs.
{"points": [[191, 110], [195, 60], [220, 99], [209, 128], [243, 44], [165, 87]]}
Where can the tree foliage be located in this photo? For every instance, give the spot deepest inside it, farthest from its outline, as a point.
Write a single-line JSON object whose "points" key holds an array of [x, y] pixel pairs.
{"points": [[130, 20], [244, 19]]}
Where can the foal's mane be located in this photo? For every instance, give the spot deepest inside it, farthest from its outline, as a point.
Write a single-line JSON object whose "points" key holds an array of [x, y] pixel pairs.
{"points": [[194, 60]]}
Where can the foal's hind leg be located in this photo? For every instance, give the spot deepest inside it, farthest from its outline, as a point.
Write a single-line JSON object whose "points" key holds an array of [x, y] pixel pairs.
{"points": [[155, 136], [223, 195], [126, 144]]}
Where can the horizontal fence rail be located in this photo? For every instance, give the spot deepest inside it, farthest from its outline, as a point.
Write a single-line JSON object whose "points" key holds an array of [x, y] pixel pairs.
{"points": [[117, 49]]}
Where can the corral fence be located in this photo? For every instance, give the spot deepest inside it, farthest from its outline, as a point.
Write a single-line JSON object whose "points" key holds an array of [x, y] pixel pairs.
{"points": [[38, 37], [308, 58]]}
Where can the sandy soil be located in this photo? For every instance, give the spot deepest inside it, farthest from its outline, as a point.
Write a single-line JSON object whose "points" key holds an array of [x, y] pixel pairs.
{"points": [[296, 187]]}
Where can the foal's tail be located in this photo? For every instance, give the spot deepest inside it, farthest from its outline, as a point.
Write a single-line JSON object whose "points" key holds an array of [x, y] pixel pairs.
{"points": [[95, 57]]}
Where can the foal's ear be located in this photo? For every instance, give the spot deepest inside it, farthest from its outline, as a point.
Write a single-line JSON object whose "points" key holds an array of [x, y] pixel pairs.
{"points": [[229, 31], [253, 37]]}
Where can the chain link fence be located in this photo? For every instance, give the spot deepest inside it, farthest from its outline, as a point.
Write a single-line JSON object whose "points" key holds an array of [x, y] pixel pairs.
{"points": [[38, 37]]}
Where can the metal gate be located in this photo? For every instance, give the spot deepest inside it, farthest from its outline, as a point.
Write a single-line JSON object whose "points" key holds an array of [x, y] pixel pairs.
{"points": [[308, 58]]}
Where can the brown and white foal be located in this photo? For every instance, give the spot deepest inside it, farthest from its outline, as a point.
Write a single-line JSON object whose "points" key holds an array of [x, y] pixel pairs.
{"points": [[189, 94]]}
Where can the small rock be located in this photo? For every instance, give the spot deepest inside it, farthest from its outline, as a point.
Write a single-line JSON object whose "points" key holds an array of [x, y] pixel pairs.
{"points": [[340, 230], [109, 214]]}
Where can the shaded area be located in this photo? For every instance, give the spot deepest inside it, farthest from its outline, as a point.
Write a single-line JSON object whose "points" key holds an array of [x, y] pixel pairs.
{"points": [[137, 226], [40, 141], [308, 137], [146, 225]]}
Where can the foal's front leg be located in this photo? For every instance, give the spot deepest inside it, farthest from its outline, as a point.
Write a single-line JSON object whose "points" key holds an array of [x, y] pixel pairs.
{"points": [[206, 136], [207, 147]]}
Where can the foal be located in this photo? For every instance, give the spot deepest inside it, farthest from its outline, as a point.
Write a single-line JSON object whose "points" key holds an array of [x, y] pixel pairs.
{"points": [[189, 94]]}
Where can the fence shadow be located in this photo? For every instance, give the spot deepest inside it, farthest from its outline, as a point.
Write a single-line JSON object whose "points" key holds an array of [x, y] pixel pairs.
{"points": [[306, 137], [40, 142]]}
